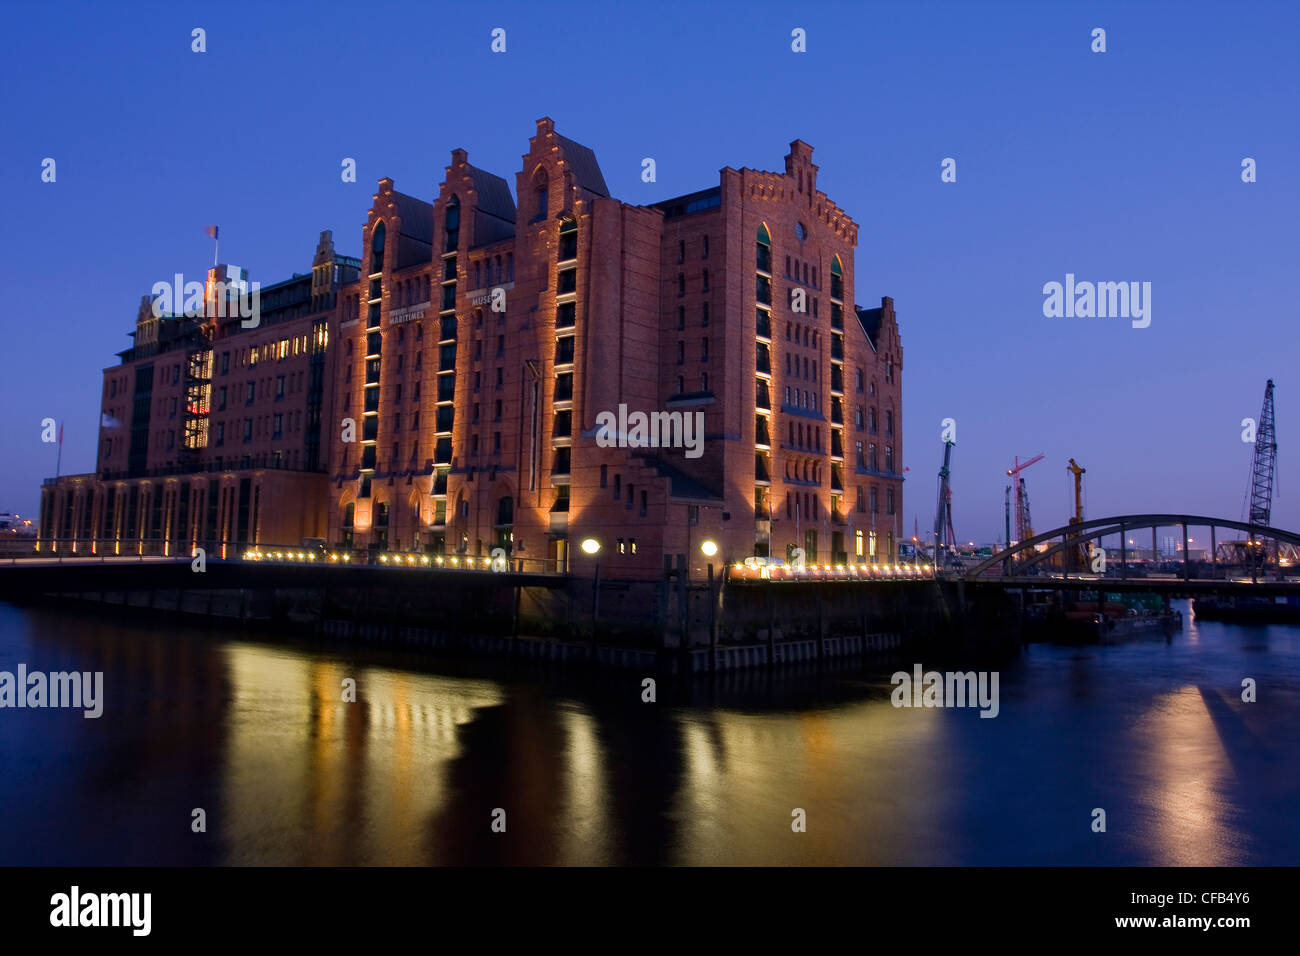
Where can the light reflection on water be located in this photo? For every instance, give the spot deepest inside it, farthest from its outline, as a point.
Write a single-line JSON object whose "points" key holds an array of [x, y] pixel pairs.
{"points": [[259, 736]]}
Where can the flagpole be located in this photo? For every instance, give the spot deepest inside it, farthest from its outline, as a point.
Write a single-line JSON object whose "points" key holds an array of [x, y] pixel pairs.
{"points": [[58, 460]]}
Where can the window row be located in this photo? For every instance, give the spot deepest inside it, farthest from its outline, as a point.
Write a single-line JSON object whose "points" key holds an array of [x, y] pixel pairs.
{"points": [[681, 249]]}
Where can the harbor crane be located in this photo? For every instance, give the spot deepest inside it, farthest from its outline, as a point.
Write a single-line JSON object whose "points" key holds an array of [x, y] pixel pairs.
{"points": [[1080, 551], [1261, 480], [1261, 470], [1024, 527], [944, 536]]}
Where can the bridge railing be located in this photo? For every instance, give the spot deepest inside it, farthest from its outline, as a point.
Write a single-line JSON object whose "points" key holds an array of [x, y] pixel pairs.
{"points": [[1079, 550]]}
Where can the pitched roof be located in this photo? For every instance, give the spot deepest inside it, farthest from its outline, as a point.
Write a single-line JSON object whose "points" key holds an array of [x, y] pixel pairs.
{"points": [[494, 218], [493, 194], [585, 168], [417, 217], [870, 320]]}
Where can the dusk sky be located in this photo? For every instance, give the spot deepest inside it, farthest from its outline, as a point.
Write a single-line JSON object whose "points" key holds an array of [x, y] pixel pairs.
{"points": [[1117, 166]]}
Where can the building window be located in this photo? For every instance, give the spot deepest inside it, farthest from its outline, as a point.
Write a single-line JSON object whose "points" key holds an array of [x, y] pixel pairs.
{"points": [[541, 199], [568, 240], [377, 248], [704, 254], [452, 223], [763, 252]]}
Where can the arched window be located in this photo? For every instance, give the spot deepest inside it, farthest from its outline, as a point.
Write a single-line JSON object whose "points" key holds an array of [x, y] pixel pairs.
{"points": [[377, 248], [540, 194], [452, 223], [506, 510], [349, 514], [764, 249], [837, 279]]}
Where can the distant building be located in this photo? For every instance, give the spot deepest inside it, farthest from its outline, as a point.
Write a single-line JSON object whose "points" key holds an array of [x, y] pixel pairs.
{"points": [[211, 434], [452, 390]]}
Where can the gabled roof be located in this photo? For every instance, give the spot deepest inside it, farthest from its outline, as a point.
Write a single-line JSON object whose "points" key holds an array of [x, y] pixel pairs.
{"points": [[583, 163], [870, 320], [417, 217], [493, 194]]}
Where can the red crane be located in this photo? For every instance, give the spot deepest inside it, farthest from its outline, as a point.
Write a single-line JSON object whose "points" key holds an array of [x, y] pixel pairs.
{"points": [[1024, 528]]}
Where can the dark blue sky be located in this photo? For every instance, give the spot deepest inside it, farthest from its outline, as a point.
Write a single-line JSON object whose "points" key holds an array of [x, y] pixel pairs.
{"points": [[1122, 166]]}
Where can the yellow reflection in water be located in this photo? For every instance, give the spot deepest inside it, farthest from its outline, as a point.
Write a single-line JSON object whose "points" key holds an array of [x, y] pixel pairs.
{"points": [[745, 774], [310, 778], [1187, 773]]}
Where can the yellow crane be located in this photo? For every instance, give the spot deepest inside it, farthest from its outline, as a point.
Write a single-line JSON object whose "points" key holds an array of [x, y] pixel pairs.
{"points": [[1079, 551]]}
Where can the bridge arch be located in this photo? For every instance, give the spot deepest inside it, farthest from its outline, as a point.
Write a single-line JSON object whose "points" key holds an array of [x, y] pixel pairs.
{"points": [[1025, 554]]}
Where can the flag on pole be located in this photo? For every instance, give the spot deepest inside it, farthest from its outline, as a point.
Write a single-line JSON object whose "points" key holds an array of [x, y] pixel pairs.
{"points": [[212, 232]]}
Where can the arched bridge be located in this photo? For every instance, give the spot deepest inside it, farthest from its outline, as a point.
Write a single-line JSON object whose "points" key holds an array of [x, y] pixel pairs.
{"points": [[1059, 554]]}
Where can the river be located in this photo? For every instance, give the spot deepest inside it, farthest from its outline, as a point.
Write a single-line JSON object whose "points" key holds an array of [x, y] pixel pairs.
{"points": [[254, 731]]}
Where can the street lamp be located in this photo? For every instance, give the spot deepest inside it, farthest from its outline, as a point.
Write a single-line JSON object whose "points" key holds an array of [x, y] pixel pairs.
{"points": [[591, 547], [709, 548]]}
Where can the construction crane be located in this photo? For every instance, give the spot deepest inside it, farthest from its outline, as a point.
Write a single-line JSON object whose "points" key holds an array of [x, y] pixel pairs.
{"points": [[1261, 470], [1080, 552], [1261, 479], [1024, 527], [943, 533]]}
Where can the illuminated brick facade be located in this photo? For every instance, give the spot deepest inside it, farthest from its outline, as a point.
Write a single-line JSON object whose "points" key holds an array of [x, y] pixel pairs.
{"points": [[446, 392], [478, 428]]}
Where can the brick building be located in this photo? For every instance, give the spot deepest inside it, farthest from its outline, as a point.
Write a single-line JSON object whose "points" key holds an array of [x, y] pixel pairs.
{"points": [[210, 433], [484, 341], [452, 390]]}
